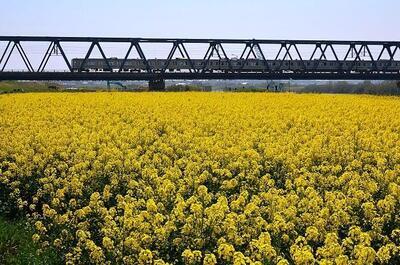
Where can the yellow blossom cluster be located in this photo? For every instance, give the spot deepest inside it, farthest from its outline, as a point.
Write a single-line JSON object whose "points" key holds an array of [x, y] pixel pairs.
{"points": [[205, 178]]}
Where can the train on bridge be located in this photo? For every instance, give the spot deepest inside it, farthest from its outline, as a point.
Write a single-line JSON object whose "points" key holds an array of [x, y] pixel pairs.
{"points": [[237, 65], [287, 59]]}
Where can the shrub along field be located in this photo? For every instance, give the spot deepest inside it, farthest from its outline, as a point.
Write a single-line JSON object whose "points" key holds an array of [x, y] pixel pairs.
{"points": [[204, 178], [17, 248]]}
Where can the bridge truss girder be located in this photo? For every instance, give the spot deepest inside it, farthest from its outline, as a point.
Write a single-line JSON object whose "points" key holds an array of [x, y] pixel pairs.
{"points": [[290, 49]]}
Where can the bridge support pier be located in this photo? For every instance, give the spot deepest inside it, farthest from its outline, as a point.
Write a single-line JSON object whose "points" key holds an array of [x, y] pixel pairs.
{"points": [[157, 85]]}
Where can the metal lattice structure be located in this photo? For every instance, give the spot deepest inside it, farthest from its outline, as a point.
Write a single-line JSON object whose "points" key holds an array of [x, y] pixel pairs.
{"points": [[380, 60]]}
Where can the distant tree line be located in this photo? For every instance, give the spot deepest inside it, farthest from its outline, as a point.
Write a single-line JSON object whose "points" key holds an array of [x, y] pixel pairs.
{"points": [[366, 87]]}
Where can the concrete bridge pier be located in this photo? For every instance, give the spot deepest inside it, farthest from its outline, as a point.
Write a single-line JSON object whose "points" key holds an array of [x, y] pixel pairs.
{"points": [[157, 85]]}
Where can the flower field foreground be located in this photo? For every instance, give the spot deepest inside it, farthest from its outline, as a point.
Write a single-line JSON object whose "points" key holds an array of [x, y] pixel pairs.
{"points": [[205, 178]]}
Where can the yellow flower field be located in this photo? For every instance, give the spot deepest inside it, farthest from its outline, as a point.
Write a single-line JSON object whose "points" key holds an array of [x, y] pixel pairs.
{"points": [[205, 178]]}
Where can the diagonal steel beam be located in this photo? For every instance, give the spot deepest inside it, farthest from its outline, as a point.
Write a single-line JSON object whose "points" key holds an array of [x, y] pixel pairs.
{"points": [[244, 50], [357, 58], [169, 58], [142, 56], [371, 57], [46, 57], [8, 57], [318, 46], [5, 52], [207, 56], [126, 57], [394, 52], [225, 55], [301, 58], [315, 51], [252, 51], [256, 44], [186, 54], [351, 47], [250, 47], [279, 53], [104, 56], [391, 59], [323, 55], [323, 52], [381, 53], [334, 52], [89, 52], [286, 54], [58, 44], [24, 57]]}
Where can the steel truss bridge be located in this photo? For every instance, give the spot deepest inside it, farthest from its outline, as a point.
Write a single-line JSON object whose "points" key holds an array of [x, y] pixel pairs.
{"points": [[348, 60]]}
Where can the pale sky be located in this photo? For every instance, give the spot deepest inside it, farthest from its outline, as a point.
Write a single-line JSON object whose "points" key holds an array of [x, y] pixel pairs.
{"points": [[262, 19], [259, 19]]}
